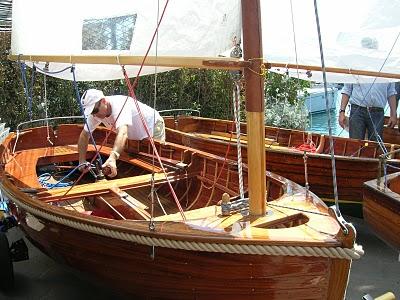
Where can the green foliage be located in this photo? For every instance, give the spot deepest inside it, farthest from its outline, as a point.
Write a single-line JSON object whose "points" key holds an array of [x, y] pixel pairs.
{"points": [[209, 91], [283, 107], [206, 90]]}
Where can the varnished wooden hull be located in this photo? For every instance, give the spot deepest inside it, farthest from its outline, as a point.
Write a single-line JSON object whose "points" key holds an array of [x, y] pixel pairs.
{"points": [[391, 135], [356, 161], [209, 255], [179, 274], [382, 209]]}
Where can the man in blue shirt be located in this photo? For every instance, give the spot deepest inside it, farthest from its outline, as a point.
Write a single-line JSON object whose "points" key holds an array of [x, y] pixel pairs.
{"points": [[367, 103]]}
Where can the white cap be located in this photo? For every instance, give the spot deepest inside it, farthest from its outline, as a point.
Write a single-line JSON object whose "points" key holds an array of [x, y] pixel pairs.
{"points": [[89, 100]]}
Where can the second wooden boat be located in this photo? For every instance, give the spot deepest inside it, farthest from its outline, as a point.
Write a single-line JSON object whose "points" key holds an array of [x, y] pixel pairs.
{"points": [[391, 135], [382, 208], [356, 161]]}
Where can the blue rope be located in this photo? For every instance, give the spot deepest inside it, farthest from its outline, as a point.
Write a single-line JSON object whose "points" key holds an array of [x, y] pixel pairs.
{"points": [[43, 179], [26, 89], [78, 98]]}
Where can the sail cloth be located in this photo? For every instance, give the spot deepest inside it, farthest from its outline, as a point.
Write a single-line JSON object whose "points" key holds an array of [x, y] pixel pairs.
{"points": [[356, 34], [204, 28]]}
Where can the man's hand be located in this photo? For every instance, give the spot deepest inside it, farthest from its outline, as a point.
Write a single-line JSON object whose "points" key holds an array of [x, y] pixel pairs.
{"points": [[110, 167], [392, 122], [342, 120]]}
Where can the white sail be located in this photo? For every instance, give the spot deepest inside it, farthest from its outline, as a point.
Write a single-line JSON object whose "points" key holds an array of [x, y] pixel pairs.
{"points": [[356, 34], [203, 28]]}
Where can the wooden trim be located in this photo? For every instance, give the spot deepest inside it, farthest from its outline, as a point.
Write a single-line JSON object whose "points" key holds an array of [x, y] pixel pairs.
{"points": [[103, 187], [188, 62], [161, 61], [340, 270], [256, 163], [332, 70]]}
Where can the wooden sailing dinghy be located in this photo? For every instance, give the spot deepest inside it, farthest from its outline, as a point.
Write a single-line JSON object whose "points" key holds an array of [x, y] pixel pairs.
{"points": [[283, 243], [382, 208], [356, 161], [102, 227]]}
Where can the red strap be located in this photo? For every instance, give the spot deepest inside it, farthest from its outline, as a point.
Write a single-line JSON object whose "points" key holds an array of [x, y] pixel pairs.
{"points": [[307, 147]]}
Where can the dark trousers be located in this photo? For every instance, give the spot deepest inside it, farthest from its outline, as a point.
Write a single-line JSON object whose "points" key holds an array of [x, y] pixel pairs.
{"points": [[362, 121]]}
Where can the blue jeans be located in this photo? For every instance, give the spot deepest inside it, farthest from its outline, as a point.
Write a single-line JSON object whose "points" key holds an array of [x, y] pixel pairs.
{"points": [[362, 121]]}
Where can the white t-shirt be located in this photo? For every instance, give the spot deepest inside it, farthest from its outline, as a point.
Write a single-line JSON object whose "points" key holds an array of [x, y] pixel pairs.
{"points": [[129, 116]]}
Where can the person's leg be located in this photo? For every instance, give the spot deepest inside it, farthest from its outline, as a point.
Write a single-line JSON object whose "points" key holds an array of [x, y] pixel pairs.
{"points": [[375, 122], [357, 125], [159, 130]]}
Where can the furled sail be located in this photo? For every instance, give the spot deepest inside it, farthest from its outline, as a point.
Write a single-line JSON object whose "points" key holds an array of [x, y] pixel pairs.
{"points": [[356, 34], [203, 28]]}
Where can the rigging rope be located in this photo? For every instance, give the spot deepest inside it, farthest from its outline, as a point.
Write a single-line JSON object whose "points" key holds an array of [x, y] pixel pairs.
{"points": [[46, 108], [83, 113], [151, 224], [151, 140], [113, 125], [28, 91], [45, 177], [332, 150], [380, 70], [236, 110]]}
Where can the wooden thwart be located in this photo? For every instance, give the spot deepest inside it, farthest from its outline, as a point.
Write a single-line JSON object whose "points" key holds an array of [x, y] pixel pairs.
{"points": [[133, 203], [103, 187]]}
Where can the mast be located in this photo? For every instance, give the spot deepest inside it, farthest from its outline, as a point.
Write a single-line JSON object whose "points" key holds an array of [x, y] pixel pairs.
{"points": [[252, 48]]}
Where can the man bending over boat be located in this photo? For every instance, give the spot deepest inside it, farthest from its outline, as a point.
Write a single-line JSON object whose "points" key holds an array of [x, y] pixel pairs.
{"points": [[110, 110]]}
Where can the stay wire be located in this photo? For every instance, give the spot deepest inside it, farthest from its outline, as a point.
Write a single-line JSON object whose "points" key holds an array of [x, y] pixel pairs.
{"points": [[75, 84], [146, 128], [46, 108], [296, 56], [151, 225], [28, 91], [332, 150], [136, 81]]}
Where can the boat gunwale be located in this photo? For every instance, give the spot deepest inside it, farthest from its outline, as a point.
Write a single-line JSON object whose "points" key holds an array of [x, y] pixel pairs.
{"points": [[388, 193], [287, 149], [142, 229]]}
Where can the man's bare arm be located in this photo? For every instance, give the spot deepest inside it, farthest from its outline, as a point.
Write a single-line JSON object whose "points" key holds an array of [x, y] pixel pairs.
{"points": [[120, 139], [343, 104], [83, 145], [393, 111], [110, 166]]}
